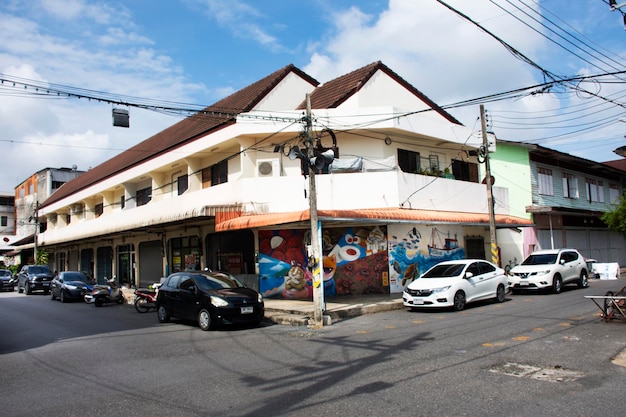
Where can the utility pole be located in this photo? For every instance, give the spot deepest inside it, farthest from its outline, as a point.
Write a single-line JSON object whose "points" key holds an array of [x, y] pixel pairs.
{"points": [[318, 288], [36, 218], [495, 256]]}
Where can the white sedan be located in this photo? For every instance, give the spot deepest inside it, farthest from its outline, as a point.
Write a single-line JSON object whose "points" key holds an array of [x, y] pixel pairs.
{"points": [[456, 283]]}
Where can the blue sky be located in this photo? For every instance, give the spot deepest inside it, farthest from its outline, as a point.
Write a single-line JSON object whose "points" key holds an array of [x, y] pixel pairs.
{"points": [[199, 51]]}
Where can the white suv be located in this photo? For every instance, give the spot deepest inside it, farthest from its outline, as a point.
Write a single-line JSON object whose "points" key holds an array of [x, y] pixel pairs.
{"points": [[549, 269]]}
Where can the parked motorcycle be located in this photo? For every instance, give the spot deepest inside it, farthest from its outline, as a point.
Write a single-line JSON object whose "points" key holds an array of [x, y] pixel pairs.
{"points": [[102, 294], [145, 298]]}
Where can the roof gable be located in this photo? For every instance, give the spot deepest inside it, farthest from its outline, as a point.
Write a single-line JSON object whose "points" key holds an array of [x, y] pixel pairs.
{"points": [[335, 92], [214, 117]]}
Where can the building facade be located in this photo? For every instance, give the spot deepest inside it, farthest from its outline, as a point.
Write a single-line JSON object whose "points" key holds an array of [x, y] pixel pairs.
{"points": [[565, 196], [224, 189]]}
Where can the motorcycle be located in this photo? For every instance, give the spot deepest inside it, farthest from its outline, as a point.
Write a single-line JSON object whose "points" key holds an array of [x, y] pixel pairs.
{"points": [[145, 299], [102, 294]]}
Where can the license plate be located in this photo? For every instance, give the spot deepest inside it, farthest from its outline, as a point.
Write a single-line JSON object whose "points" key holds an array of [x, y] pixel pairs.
{"points": [[247, 310], [46, 284], [418, 301], [523, 284]]}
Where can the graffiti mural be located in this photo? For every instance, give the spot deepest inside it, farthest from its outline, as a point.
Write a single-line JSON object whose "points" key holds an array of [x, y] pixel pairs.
{"points": [[354, 261], [413, 250]]}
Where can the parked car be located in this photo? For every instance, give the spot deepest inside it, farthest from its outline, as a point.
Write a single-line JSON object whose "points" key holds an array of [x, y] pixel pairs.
{"points": [[70, 285], [34, 278], [210, 298], [6, 280], [549, 269], [456, 283]]}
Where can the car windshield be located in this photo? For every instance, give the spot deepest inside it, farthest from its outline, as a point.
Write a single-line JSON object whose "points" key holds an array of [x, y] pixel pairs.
{"points": [[5, 273], [444, 271], [75, 276], [217, 281], [39, 270], [540, 259]]}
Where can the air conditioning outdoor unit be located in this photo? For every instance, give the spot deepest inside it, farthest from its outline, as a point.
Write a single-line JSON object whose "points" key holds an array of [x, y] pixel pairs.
{"points": [[268, 168]]}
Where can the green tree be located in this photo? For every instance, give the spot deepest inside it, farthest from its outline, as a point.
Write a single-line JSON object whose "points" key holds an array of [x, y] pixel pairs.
{"points": [[42, 257], [616, 219]]}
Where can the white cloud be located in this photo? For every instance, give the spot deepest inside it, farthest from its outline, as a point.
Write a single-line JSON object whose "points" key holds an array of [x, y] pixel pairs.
{"points": [[240, 18]]}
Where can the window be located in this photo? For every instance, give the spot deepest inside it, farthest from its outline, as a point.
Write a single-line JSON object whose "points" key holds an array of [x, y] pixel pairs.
{"points": [[600, 192], [570, 186], [614, 195], [544, 181], [219, 173], [409, 161], [57, 184], [144, 196], [465, 171], [183, 184], [433, 162], [68, 218], [99, 209], [485, 268], [122, 202], [4, 221], [592, 190]]}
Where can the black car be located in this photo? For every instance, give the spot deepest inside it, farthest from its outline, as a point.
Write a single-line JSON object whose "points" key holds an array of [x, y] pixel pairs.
{"points": [[211, 298], [70, 285], [6, 280], [34, 278]]}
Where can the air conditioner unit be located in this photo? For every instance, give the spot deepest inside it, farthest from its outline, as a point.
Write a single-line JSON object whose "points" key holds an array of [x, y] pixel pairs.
{"points": [[268, 168]]}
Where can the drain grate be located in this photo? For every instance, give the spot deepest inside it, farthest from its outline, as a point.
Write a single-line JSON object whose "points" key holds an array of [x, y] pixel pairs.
{"points": [[541, 373]]}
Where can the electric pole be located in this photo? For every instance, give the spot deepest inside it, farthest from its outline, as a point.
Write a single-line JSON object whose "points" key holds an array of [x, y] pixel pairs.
{"points": [[36, 218], [495, 256], [316, 267]]}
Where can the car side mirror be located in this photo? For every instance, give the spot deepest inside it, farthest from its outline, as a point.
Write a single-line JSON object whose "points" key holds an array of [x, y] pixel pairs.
{"points": [[562, 261], [468, 275], [192, 288]]}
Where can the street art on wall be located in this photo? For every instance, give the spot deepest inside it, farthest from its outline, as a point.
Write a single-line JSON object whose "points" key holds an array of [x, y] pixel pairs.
{"points": [[354, 261], [413, 250]]}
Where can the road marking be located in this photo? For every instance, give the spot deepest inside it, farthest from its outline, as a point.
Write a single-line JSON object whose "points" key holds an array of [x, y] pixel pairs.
{"points": [[521, 338], [496, 344]]}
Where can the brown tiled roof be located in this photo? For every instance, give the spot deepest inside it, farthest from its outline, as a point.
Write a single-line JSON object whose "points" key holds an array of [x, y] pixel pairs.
{"points": [[212, 118], [617, 164], [332, 93]]}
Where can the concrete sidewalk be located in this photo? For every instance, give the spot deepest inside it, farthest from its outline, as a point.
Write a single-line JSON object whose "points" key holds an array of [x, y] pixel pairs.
{"points": [[298, 312]]}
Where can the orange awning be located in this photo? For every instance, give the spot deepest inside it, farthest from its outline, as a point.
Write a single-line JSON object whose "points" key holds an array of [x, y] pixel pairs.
{"points": [[375, 215]]}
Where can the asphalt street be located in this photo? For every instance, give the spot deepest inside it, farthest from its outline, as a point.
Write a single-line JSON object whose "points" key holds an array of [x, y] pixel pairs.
{"points": [[534, 355]]}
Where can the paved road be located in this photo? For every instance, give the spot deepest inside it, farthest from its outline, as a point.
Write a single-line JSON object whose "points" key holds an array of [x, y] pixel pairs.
{"points": [[534, 355]]}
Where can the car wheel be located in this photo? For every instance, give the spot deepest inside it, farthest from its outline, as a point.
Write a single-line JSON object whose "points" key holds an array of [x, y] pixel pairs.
{"points": [[19, 290], [205, 319], [556, 285], [52, 296], [27, 289], [62, 296], [459, 301], [584, 281], [163, 314], [500, 294]]}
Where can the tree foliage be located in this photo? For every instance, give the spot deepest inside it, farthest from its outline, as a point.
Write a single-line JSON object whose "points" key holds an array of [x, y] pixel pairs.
{"points": [[616, 219]]}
